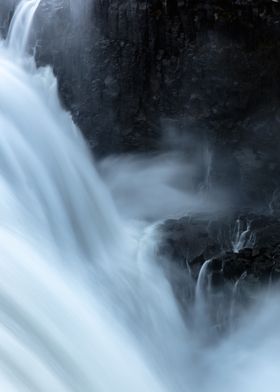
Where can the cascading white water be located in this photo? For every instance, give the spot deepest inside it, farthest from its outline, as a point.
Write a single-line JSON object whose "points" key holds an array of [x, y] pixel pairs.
{"points": [[57, 222], [243, 237], [201, 295], [21, 23], [83, 306]]}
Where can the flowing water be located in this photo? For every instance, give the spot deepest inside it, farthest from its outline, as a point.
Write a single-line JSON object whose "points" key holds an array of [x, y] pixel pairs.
{"points": [[83, 303], [243, 236]]}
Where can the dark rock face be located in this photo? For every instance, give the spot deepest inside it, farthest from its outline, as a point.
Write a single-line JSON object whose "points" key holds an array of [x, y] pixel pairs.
{"points": [[136, 72], [243, 254], [250, 244], [204, 64]]}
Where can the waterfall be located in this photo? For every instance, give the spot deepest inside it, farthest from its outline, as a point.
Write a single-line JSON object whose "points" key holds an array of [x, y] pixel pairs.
{"points": [[243, 237], [232, 314], [202, 296], [66, 255], [20, 27], [84, 306], [202, 281]]}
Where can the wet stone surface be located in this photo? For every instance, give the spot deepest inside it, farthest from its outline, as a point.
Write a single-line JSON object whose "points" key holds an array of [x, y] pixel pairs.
{"points": [[238, 269]]}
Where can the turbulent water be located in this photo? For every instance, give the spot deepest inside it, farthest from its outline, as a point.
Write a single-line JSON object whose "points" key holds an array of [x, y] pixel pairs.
{"points": [[83, 303]]}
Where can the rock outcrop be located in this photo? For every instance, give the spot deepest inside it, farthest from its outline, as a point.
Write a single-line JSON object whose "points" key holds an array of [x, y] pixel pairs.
{"points": [[202, 63], [238, 258]]}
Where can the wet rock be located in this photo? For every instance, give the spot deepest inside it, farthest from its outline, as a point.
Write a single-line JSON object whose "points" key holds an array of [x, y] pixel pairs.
{"points": [[196, 241], [193, 240], [233, 278]]}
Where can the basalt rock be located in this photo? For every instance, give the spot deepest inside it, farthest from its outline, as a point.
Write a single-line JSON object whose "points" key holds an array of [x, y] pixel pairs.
{"points": [[242, 255], [248, 251]]}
